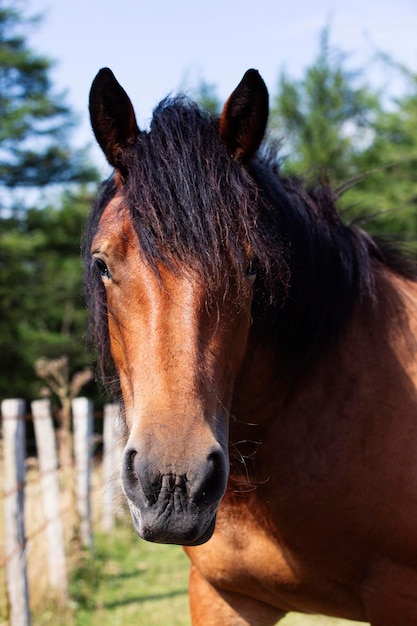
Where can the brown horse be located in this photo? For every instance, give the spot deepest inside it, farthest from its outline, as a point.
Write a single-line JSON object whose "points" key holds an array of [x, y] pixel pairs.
{"points": [[266, 357]]}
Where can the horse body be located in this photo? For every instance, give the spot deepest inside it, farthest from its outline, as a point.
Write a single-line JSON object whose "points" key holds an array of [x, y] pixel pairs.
{"points": [[271, 430]]}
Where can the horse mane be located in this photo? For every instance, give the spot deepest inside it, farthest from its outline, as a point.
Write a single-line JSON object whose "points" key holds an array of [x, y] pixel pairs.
{"points": [[194, 206]]}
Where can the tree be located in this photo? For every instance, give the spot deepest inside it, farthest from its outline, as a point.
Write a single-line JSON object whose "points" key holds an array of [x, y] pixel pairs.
{"points": [[35, 122], [390, 188], [340, 131], [42, 308], [324, 116], [56, 374]]}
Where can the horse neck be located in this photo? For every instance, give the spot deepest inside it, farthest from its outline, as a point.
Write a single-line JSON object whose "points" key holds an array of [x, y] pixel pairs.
{"points": [[373, 354]]}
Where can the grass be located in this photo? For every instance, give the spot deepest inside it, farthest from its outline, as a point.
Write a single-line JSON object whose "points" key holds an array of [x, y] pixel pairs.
{"points": [[131, 581]]}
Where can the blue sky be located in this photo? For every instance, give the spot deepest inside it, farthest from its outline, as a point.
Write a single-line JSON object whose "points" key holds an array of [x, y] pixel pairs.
{"points": [[160, 46]]}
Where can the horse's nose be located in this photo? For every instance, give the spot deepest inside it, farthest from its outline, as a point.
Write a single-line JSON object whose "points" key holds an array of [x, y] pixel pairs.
{"points": [[202, 482]]}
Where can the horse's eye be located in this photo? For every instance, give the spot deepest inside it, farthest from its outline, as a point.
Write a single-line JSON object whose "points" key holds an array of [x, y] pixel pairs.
{"points": [[252, 270], [102, 267]]}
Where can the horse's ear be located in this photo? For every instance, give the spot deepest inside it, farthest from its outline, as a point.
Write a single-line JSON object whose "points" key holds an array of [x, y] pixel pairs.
{"points": [[112, 116], [244, 117]]}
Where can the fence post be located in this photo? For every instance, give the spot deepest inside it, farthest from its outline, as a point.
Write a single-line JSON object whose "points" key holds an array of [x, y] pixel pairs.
{"points": [[112, 452], [48, 470], [82, 414], [14, 441]]}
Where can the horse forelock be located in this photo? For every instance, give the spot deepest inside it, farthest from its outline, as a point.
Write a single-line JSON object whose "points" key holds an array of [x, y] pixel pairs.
{"points": [[192, 204]]}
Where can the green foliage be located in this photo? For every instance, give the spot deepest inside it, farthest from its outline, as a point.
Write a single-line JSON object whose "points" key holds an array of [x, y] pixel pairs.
{"points": [[323, 116], [390, 189], [337, 130], [42, 310], [35, 122]]}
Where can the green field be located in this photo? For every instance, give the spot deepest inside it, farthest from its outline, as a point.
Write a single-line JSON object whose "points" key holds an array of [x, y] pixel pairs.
{"points": [[129, 581]]}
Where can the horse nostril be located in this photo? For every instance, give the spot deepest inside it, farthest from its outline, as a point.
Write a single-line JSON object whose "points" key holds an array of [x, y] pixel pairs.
{"points": [[130, 459], [216, 461], [129, 473], [210, 483], [138, 470]]}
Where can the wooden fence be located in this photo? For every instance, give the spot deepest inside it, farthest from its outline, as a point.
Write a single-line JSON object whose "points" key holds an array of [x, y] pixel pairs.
{"points": [[63, 496]]}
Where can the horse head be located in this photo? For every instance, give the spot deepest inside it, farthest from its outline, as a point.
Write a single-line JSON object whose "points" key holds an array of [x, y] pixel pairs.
{"points": [[177, 336]]}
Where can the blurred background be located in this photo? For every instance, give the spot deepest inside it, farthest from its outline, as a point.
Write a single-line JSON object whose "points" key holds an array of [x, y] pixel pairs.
{"points": [[342, 77]]}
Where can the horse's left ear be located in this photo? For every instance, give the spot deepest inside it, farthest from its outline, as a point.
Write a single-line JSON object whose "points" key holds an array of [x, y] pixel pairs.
{"points": [[244, 117], [112, 116]]}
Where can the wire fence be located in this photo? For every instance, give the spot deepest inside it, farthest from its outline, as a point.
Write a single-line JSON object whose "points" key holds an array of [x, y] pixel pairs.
{"points": [[47, 510]]}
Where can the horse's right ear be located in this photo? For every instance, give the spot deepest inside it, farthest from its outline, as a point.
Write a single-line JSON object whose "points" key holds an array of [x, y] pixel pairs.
{"points": [[112, 116], [244, 118]]}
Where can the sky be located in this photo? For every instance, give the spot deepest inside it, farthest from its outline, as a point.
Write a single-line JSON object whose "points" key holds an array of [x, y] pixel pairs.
{"points": [[157, 47]]}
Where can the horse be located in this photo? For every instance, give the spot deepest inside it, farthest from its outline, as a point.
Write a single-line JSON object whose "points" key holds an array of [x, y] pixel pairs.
{"points": [[265, 355]]}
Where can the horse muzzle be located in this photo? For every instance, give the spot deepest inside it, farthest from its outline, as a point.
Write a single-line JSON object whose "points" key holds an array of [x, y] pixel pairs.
{"points": [[174, 506]]}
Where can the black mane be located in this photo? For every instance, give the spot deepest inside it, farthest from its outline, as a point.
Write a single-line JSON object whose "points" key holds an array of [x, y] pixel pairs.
{"points": [[195, 206]]}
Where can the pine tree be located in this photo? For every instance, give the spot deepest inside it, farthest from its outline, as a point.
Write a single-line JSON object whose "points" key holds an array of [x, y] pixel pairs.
{"points": [[42, 311], [324, 117], [35, 122]]}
